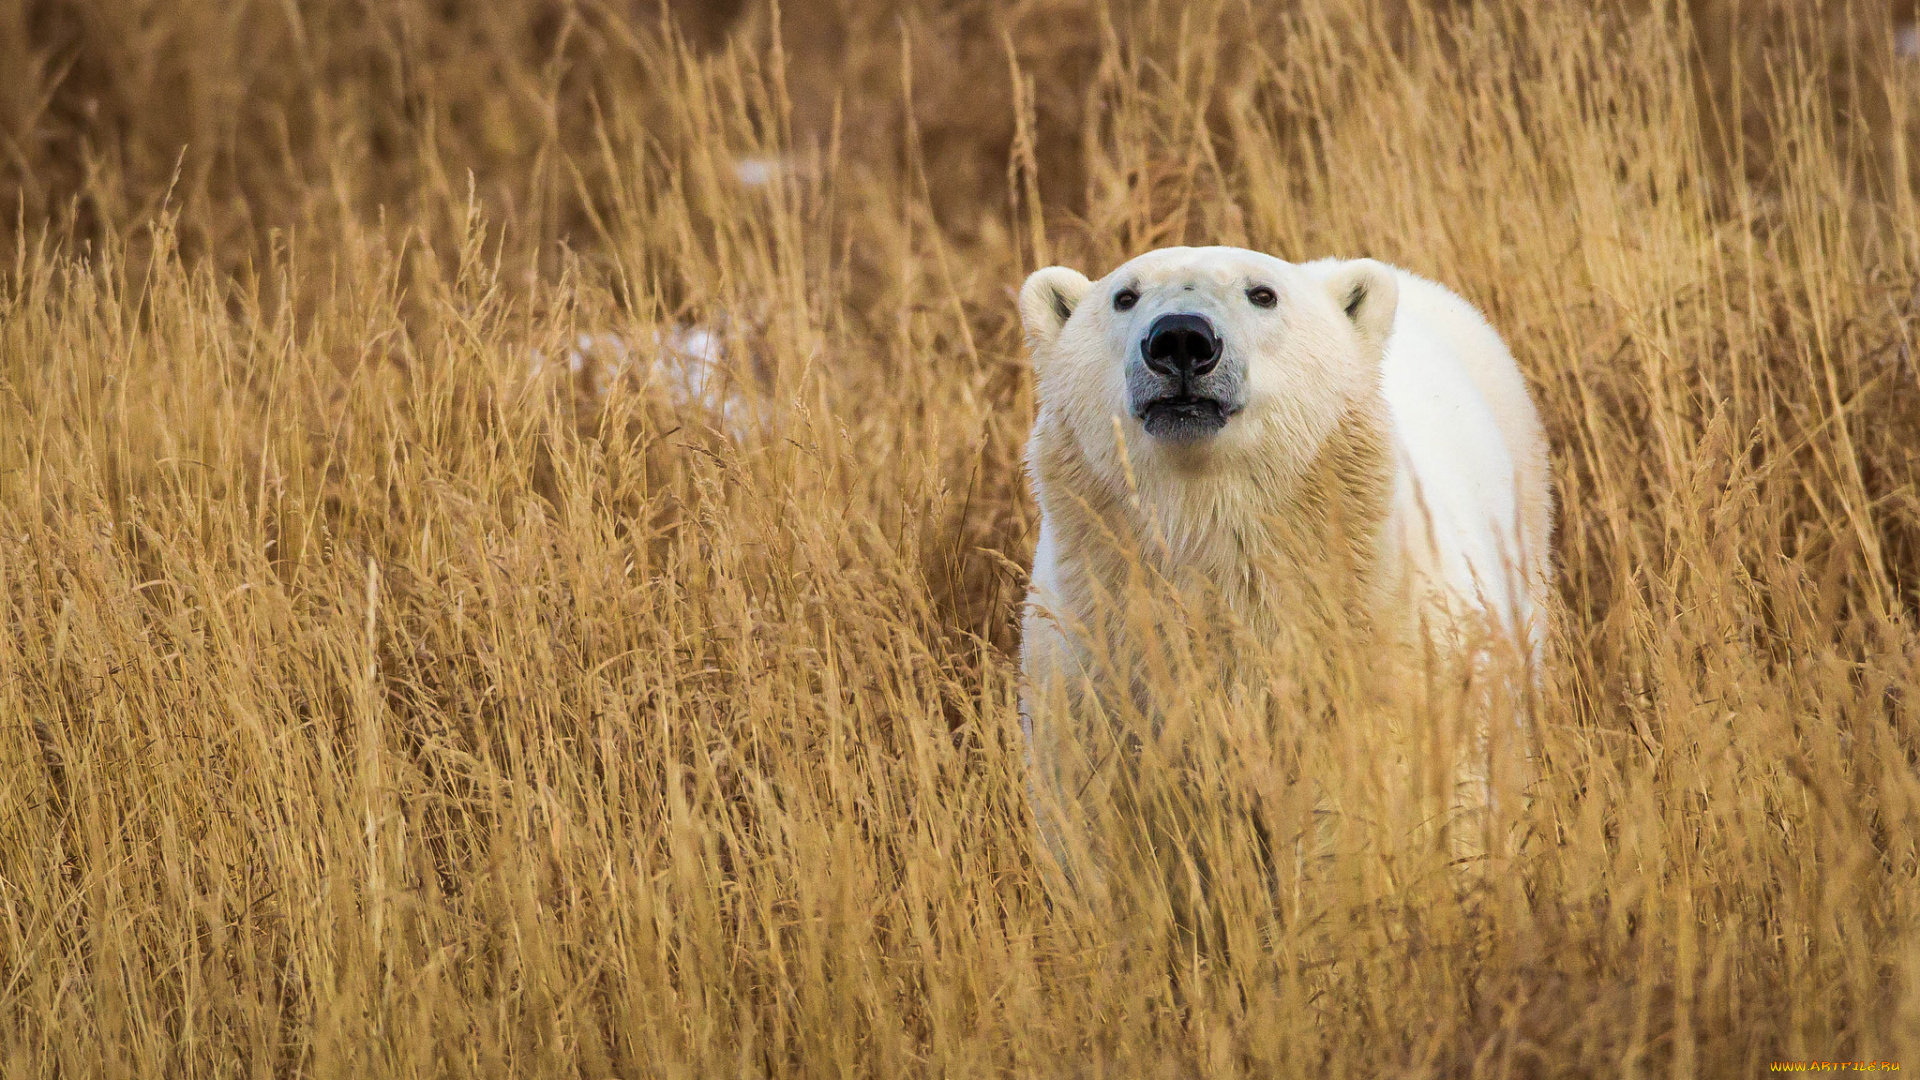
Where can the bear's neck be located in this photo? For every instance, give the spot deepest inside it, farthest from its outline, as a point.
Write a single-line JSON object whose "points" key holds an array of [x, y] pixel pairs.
{"points": [[1288, 556]]}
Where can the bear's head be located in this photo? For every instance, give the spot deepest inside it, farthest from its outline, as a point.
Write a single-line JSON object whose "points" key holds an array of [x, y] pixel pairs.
{"points": [[1207, 359]]}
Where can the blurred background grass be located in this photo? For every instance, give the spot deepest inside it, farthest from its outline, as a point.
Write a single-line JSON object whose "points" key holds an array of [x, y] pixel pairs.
{"points": [[420, 659]]}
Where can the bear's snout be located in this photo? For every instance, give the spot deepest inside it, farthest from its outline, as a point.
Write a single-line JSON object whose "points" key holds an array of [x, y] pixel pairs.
{"points": [[1181, 343], [1181, 389]]}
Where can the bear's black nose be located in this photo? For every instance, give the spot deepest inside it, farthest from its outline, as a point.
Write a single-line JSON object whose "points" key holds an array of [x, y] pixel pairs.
{"points": [[1181, 344]]}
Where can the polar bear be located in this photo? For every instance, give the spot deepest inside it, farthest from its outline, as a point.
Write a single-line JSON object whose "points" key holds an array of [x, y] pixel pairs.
{"points": [[1318, 447]]}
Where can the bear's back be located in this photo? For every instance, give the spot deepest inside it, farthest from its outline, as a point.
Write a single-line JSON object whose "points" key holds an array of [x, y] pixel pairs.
{"points": [[1473, 506]]}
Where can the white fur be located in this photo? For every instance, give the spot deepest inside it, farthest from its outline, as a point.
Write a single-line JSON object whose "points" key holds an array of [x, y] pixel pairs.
{"points": [[1358, 363], [1445, 375]]}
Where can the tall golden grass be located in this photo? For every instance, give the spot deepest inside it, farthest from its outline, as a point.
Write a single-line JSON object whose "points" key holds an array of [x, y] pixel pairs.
{"points": [[379, 702]]}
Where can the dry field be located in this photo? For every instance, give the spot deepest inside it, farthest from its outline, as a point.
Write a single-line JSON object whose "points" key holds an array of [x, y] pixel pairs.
{"points": [[393, 683]]}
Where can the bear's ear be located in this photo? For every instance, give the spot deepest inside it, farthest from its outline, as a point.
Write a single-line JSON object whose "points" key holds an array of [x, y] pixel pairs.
{"points": [[1047, 300], [1369, 293]]}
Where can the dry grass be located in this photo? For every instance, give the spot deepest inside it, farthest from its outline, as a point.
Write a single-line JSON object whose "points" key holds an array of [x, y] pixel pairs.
{"points": [[371, 706]]}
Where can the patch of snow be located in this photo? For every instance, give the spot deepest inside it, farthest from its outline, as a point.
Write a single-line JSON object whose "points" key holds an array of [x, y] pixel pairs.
{"points": [[688, 362], [757, 171]]}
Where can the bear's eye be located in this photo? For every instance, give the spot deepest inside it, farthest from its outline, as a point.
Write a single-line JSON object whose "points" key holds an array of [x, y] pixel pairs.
{"points": [[1261, 296], [1125, 299]]}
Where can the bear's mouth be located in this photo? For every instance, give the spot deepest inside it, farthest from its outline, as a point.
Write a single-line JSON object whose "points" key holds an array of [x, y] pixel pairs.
{"points": [[1184, 417]]}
